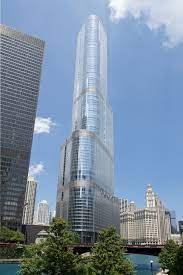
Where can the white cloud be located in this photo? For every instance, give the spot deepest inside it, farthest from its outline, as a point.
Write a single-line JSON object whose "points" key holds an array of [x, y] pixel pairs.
{"points": [[166, 14], [36, 169], [43, 125]]}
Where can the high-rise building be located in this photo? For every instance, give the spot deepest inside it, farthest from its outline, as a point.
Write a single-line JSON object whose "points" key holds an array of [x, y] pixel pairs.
{"points": [[85, 195], [51, 216], [164, 227], [167, 229], [132, 207], [173, 221], [123, 205], [150, 225], [146, 226], [127, 224], [181, 227], [42, 215], [139, 226], [21, 61], [29, 203]]}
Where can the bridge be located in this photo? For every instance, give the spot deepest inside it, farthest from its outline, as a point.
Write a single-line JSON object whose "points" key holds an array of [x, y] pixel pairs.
{"points": [[144, 249], [134, 249]]}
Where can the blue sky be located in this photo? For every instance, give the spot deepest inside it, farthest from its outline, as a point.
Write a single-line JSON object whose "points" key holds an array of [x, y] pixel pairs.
{"points": [[145, 87]]}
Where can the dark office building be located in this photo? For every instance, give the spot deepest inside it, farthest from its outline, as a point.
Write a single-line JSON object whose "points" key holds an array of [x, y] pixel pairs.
{"points": [[21, 61], [181, 227], [173, 221]]}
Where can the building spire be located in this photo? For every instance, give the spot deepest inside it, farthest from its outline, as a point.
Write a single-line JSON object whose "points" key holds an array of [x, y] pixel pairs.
{"points": [[150, 197]]}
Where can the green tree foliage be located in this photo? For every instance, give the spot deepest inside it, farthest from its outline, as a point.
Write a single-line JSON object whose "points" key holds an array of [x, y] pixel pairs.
{"points": [[33, 262], [171, 258], [107, 255], [8, 235], [178, 265], [17, 237], [54, 256], [5, 234], [168, 255], [12, 252]]}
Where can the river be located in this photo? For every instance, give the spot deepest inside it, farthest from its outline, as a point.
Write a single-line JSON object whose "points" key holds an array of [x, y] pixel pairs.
{"points": [[142, 263]]}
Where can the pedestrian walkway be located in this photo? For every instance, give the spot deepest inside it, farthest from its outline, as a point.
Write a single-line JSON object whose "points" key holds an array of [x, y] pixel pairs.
{"points": [[162, 272]]}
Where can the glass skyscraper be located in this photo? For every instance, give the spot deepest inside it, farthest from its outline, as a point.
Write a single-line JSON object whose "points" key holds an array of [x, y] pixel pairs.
{"points": [[85, 195], [21, 61], [173, 221]]}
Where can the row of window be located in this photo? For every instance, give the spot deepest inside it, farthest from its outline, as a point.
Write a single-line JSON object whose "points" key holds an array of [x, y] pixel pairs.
{"points": [[28, 42]]}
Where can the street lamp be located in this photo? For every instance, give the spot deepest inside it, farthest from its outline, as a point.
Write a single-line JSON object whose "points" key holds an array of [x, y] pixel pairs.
{"points": [[151, 263]]}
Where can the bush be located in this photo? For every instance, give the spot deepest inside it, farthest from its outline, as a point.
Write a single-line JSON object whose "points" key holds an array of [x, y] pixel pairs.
{"points": [[12, 252]]}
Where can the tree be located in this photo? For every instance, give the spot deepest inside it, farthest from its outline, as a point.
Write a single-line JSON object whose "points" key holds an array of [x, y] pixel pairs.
{"points": [[8, 235], [54, 256], [17, 237], [107, 255], [178, 264], [5, 234], [33, 262], [168, 255]]}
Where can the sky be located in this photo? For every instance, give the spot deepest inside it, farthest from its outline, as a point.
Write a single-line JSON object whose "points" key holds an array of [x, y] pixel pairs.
{"points": [[145, 90]]}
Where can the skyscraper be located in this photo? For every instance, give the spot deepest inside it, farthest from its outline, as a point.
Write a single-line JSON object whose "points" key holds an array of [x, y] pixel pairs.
{"points": [[21, 61], [42, 213], [29, 203], [146, 226], [181, 229], [51, 216], [164, 226], [85, 195], [173, 221], [150, 225]]}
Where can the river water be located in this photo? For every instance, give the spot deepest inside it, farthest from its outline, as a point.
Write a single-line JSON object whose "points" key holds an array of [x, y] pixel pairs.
{"points": [[142, 263]]}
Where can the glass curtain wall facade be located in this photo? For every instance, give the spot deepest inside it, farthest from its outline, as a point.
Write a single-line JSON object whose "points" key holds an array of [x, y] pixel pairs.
{"points": [[21, 61], [85, 196], [173, 221]]}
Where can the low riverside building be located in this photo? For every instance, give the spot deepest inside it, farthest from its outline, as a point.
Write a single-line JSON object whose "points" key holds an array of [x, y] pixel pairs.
{"points": [[31, 230], [41, 236], [176, 238]]}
